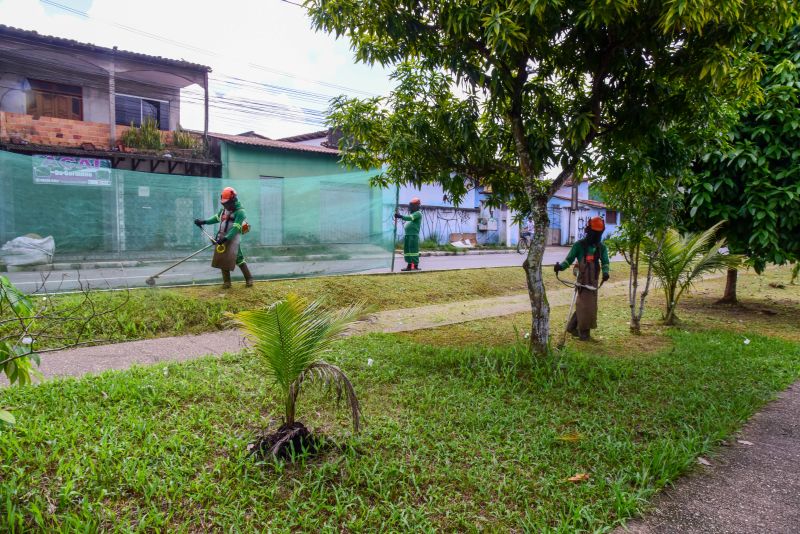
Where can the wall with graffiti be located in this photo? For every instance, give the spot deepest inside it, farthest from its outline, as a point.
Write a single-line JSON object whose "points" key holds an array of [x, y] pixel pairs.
{"points": [[439, 222]]}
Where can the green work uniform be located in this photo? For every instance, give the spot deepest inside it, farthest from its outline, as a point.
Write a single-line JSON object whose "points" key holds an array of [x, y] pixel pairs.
{"points": [[579, 251], [411, 237], [588, 257], [230, 224]]}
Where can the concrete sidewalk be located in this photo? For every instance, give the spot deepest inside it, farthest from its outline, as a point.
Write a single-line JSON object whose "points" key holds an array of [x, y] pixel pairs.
{"points": [[118, 356], [751, 486]]}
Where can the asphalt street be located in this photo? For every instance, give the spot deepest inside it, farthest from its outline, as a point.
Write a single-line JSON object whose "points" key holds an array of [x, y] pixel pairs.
{"points": [[200, 272]]}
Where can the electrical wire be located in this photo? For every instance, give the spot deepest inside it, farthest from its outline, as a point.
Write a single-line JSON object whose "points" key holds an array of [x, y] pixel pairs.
{"points": [[238, 108], [203, 51]]}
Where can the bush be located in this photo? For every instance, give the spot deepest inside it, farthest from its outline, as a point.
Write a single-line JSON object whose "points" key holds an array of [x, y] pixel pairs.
{"points": [[148, 136], [183, 139]]}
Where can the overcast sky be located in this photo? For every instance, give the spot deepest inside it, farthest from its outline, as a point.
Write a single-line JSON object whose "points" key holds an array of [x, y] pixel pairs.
{"points": [[236, 38]]}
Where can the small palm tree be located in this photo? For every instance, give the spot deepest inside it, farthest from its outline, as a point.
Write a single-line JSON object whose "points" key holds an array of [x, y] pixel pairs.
{"points": [[684, 258], [290, 336]]}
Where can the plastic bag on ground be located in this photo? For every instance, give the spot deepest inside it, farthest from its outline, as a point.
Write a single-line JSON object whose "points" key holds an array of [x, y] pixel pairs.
{"points": [[28, 250]]}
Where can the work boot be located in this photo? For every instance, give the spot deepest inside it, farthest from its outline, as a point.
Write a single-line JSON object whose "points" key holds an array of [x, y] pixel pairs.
{"points": [[415, 267], [572, 326], [409, 267], [573, 332], [226, 279], [584, 335], [248, 278]]}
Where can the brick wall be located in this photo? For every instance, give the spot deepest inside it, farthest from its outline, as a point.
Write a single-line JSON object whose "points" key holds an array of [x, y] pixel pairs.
{"points": [[60, 132]]}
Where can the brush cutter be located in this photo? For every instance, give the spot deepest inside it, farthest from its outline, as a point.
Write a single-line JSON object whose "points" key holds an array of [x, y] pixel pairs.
{"points": [[152, 280], [220, 246], [576, 285]]}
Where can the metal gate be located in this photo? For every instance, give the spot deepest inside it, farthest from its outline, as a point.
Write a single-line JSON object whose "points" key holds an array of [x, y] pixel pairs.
{"points": [[271, 210], [554, 231]]}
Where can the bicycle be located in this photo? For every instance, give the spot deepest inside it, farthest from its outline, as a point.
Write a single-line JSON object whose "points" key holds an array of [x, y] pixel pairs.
{"points": [[524, 242]]}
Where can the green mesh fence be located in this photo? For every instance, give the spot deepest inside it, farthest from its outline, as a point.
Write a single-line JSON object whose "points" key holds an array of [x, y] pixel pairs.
{"points": [[117, 228]]}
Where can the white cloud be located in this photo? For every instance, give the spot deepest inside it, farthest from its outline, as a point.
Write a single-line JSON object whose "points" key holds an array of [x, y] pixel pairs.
{"points": [[230, 38]]}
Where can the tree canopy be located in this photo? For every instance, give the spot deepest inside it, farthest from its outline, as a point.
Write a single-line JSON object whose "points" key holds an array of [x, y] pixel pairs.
{"points": [[514, 94], [754, 181]]}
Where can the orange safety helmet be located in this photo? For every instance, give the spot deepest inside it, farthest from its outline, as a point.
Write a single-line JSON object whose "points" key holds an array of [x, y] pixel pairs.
{"points": [[415, 200], [597, 224], [227, 195]]}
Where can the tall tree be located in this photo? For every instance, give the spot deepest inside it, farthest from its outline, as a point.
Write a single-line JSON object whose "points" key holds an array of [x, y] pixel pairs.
{"points": [[642, 182], [644, 178], [502, 92], [754, 182]]}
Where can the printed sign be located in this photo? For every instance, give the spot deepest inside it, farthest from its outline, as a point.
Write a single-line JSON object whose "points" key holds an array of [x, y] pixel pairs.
{"points": [[71, 170]]}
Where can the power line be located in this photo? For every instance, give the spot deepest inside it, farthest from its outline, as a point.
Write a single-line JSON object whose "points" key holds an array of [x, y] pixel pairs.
{"points": [[293, 3], [241, 109], [157, 37], [203, 51]]}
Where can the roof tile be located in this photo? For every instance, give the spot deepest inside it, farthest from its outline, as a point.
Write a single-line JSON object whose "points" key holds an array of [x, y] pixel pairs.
{"points": [[269, 143]]}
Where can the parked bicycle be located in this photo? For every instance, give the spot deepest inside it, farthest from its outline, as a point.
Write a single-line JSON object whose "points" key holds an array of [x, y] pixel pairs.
{"points": [[524, 242]]}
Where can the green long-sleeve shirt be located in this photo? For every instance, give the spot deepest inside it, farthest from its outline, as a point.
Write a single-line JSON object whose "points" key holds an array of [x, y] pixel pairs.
{"points": [[576, 253], [239, 217], [413, 223]]}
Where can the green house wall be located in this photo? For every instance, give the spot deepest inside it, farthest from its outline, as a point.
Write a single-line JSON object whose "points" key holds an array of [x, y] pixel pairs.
{"points": [[319, 198], [243, 162]]}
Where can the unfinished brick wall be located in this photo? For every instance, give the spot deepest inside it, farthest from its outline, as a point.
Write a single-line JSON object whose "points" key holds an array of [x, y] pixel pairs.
{"points": [[60, 132], [52, 131]]}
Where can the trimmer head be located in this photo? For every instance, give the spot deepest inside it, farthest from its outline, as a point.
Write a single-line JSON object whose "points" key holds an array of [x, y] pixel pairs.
{"points": [[150, 282]]}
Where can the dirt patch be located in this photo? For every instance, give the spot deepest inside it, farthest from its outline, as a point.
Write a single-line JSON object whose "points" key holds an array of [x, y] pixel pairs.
{"points": [[770, 318]]}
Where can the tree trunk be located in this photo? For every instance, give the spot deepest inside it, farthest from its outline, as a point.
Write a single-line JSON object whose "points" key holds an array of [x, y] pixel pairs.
{"points": [[540, 308], [671, 319], [730, 288], [291, 404], [633, 289]]}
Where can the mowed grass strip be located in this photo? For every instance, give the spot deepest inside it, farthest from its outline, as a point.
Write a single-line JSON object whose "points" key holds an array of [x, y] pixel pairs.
{"points": [[456, 439], [768, 305], [151, 313]]}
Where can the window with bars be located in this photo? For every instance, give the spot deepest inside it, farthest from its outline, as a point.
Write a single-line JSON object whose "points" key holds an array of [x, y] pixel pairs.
{"points": [[134, 109], [50, 99], [611, 217]]}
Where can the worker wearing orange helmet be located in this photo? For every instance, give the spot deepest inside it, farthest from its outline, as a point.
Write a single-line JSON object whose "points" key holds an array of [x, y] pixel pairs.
{"points": [[411, 234], [592, 257], [232, 224]]}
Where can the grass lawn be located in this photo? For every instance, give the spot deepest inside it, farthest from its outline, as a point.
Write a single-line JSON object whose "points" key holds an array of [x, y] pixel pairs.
{"points": [[150, 313], [459, 438]]}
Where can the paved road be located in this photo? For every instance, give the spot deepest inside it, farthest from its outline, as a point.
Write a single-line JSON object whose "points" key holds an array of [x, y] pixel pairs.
{"points": [[200, 273]]}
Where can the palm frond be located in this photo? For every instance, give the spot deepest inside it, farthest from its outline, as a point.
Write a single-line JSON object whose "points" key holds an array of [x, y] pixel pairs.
{"points": [[683, 259], [336, 381], [291, 333], [290, 336]]}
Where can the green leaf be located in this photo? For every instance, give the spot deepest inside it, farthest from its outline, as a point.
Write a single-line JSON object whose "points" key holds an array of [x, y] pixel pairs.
{"points": [[7, 417]]}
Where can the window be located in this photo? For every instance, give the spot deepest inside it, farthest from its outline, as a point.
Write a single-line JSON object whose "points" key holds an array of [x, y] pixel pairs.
{"points": [[134, 109], [611, 217], [49, 99]]}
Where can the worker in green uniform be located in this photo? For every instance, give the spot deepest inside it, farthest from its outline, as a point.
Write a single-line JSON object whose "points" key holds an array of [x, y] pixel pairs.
{"points": [[411, 234], [232, 224], [592, 256]]}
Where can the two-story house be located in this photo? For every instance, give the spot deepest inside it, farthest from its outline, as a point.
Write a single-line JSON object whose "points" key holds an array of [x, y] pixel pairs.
{"points": [[69, 99]]}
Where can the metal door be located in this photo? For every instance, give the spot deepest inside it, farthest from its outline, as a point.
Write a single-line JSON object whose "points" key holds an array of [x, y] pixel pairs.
{"points": [[271, 210]]}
